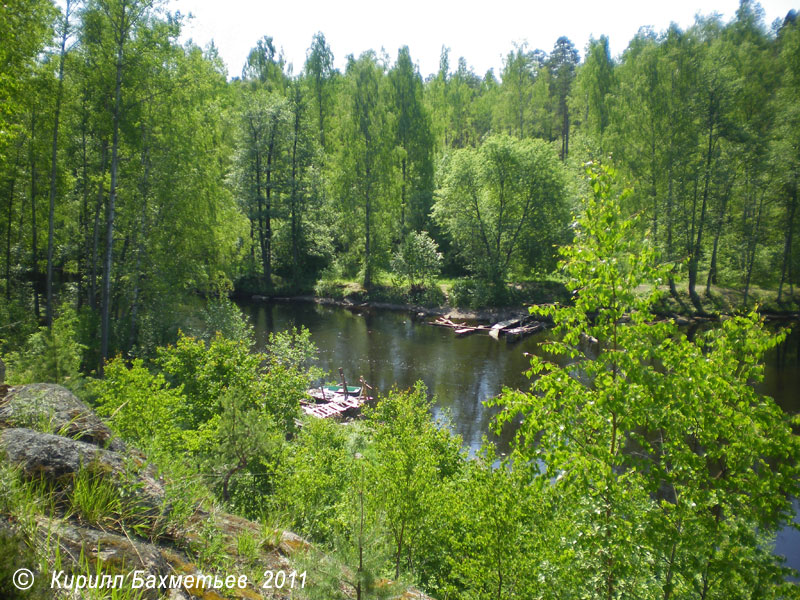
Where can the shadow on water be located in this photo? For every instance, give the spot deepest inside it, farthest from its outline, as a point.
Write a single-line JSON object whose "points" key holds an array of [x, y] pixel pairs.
{"points": [[393, 349]]}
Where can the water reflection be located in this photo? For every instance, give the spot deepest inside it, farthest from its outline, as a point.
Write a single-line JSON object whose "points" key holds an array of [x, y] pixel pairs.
{"points": [[391, 348]]}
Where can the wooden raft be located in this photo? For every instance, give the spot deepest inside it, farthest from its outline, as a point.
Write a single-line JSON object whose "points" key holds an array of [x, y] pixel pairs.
{"points": [[459, 328], [512, 329], [325, 402]]}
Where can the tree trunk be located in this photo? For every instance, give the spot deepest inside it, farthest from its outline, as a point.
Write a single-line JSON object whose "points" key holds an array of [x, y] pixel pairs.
{"points": [[653, 186], [293, 200], [112, 200], [712, 269], [260, 204], [34, 244], [142, 235], [53, 164], [694, 258], [83, 258], [672, 289], [403, 201], [96, 228], [751, 258], [399, 551], [367, 222], [266, 249], [11, 185]]}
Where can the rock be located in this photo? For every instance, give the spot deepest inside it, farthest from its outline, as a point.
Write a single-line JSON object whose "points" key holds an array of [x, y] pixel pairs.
{"points": [[115, 554], [54, 409], [291, 543], [39, 425], [56, 458]]}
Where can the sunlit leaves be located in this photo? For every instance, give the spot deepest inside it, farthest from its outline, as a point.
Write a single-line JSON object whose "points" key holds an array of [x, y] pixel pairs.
{"points": [[673, 467]]}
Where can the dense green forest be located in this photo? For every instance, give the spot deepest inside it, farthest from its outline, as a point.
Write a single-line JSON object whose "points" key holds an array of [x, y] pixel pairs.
{"points": [[135, 172], [141, 185]]}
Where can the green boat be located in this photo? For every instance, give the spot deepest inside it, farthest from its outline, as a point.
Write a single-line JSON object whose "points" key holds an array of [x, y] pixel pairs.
{"points": [[337, 389], [330, 393]]}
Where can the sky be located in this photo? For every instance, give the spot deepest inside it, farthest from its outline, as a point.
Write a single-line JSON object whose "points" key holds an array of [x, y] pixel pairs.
{"points": [[482, 32]]}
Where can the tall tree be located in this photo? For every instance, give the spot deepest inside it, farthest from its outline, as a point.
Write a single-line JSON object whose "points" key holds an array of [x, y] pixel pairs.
{"points": [[594, 82], [265, 120], [65, 32], [561, 63], [520, 69], [666, 495], [364, 160], [495, 198], [265, 65], [122, 16], [786, 149], [320, 72], [24, 29], [414, 143]]}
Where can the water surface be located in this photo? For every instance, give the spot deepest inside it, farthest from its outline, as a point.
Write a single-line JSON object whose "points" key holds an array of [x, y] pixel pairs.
{"points": [[394, 348]]}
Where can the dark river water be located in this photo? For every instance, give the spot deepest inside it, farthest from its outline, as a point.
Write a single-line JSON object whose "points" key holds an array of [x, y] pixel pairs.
{"points": [[394, 348]]}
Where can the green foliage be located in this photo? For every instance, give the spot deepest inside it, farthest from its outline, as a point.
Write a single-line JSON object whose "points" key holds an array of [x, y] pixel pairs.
{"points": [[24, 29], [414, 143], [412, 456], [16, 554], [418, 259], [204, 372], [312, 478], [667, 456], [364, 176], [222, 316], [355, 563], [247, 440], [502, 204], [227, 407], [49, 355], [18, 323], [476, 293], [496, 541], [141, 406]]}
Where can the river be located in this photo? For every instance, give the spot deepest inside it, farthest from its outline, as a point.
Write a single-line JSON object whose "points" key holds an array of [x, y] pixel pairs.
{"points": [[394, 348]]}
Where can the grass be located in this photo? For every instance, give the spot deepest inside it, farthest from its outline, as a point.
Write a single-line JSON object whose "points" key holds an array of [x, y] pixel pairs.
{"points": [[724, 299], [95, 499], [384, 289]]}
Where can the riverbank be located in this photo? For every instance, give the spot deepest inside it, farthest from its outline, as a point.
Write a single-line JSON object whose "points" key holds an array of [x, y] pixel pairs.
{"points": [[450, 312], [669, 309], [472, 300]]}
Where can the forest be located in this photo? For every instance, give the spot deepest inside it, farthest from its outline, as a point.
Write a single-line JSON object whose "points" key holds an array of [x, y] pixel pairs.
{"points": [[142, 186]]}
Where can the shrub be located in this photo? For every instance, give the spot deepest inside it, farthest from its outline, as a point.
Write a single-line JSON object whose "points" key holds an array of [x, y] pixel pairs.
{"points": [[418, 259], [140, 405], [476, 293]]}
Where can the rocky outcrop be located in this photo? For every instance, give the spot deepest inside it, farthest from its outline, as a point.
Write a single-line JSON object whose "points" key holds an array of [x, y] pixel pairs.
{"points": [[56, 459], [51, 436], [48, 435], [54, 409]]}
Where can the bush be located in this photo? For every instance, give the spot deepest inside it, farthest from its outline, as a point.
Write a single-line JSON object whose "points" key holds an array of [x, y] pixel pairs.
{"points": [[141, 406], [418, 260], [476, 293]]}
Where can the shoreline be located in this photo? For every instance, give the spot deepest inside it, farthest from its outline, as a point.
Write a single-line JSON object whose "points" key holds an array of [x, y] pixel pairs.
{"points": [[487, 315]]}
